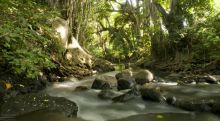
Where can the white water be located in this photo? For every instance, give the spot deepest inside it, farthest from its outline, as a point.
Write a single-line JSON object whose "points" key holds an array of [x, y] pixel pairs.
{"points": [[94, 109]]}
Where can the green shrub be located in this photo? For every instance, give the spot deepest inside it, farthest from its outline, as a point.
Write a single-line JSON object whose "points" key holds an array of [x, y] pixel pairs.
{"points": [[26, 38]]}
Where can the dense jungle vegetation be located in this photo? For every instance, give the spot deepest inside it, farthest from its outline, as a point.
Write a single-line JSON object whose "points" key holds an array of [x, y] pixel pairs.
{"points": [[183, 34]]}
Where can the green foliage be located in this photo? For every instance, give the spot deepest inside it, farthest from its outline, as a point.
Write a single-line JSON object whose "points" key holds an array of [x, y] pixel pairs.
{"points": [[26, 38], [206, 37]]}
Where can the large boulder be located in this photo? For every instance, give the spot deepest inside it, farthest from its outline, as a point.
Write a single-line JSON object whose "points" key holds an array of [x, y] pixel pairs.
{"points": [[188, 97], [104, 82], [152, 94], [125, 83], [143, 76], [43, 115], [23, 104], [124, 74]]}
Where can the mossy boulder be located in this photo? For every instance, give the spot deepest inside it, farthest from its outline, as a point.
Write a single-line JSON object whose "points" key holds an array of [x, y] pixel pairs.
{"points": [[23, 104]]}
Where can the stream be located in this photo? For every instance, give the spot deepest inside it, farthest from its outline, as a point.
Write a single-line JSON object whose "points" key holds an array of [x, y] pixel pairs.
{"points": [[92, 108]]}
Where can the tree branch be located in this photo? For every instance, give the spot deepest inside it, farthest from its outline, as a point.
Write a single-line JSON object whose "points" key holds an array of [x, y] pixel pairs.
{"points": [[173, 6], [160, 9]]}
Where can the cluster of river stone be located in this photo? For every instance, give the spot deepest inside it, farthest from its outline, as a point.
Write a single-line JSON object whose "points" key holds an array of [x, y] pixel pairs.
{"points": [[127, 82], [125, 86], [144, 84]]}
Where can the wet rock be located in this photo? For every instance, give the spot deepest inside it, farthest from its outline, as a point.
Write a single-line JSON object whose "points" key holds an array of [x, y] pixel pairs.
{"points": [[104, 82], [127, 96], [207, 79], [81, 88], [44, 115], [125, 83], [108, 94], [202, 98], [23, 104], [211, 79], [188, 80], [152, 94], [102, 65], [217, 77], [195, 105], [143, 76], [171, 100], [22, 89], [124, 74], [100, 84], [36, 85]]}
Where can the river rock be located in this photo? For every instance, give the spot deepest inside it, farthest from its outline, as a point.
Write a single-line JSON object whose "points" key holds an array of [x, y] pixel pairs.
{"points": [[124, 74], [45, 115], [81, 88], [202, 98], [152, 94], [171, 100], [217, 77], [143, 76], [125, 83], [108, 94], [23, 104], [22, 89], [131, 94], [104, 82], [211, 79]]}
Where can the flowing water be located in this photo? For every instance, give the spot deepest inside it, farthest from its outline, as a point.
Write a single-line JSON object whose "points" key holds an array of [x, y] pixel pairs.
{"points": [[91, 108]]}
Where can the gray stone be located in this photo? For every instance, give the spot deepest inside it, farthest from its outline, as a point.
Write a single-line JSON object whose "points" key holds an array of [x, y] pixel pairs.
{"points": [[124, 74], [125, 83], [81, 88], [133, 93], [143, 76], [104, 82], [152, 94], [23, 104], [108, 94]]}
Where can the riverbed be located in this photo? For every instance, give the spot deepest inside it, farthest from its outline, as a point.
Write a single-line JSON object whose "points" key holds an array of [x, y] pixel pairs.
{"points": [[92, 108]]}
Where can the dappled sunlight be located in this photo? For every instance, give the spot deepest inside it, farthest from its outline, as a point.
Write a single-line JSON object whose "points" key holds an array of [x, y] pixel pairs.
{"points": [[63, 31], [217, 5], [54, 47]]}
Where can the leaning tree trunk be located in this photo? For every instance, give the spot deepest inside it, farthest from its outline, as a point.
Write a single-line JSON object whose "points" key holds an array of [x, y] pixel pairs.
{"points": [[76, 59]]}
